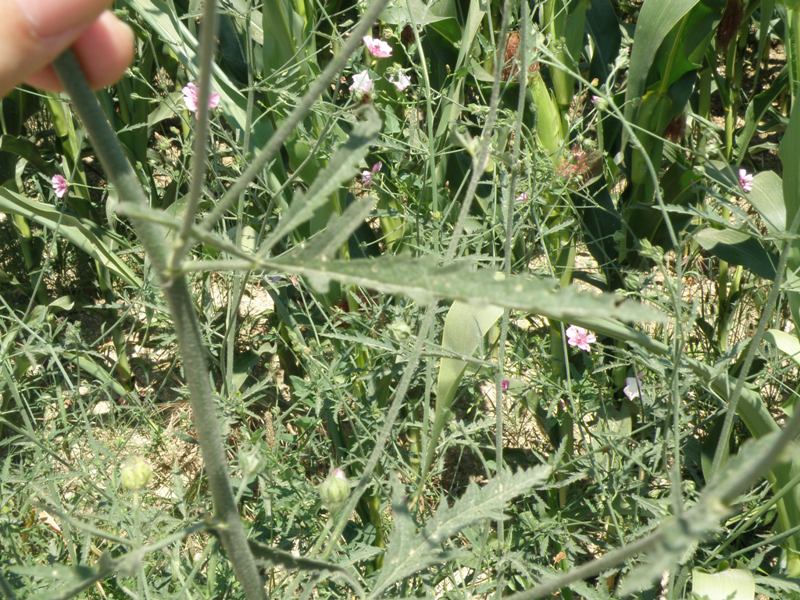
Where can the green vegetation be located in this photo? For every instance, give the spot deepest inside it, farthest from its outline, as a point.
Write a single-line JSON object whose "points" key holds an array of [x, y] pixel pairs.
{"points": [[407, 298]]}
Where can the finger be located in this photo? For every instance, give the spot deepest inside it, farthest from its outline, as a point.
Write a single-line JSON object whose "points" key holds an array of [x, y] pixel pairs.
{"points": [[104, 50], [34, 32]]}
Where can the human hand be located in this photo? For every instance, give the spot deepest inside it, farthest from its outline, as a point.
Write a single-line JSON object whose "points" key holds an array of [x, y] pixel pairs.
{"points": [[34, 32]]}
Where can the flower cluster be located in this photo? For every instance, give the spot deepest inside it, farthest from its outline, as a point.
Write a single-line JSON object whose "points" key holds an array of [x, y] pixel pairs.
{"points": [[362, 84], [366, 176]]}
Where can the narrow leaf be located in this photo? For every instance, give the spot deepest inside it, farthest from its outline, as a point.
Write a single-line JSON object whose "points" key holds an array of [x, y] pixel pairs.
{"points": [[78, 231], [426, 281], [738, 248], [339, 229], [342, 167], [767, 198], [656, 20], [785, 342]]}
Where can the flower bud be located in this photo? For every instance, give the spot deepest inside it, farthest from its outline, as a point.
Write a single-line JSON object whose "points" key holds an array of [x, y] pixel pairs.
{"points": [[135, 473], [335, 489]]}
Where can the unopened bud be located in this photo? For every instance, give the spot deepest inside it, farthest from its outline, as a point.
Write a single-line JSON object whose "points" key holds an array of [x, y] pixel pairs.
{"points": [[335, 489], [135, 473]]}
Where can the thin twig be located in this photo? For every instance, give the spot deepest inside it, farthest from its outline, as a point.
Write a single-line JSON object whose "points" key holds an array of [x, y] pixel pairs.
{"points": [[207, 46]]}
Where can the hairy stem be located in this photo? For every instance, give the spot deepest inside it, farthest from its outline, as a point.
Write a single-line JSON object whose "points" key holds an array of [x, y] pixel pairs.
{"points": [[187, 328]]}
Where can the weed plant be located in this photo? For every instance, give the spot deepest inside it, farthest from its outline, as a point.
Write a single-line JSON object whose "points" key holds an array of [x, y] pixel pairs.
{"points": [[404, 298]]}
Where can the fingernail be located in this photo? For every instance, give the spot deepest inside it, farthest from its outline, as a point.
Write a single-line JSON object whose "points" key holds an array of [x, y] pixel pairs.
{"points": [[49, 18]]}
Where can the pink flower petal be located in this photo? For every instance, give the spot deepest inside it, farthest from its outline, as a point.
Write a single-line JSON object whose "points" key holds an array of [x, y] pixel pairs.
{"points": [[362, 83], [580, 338], [745, 180], [60, 185], [401, 81], [377, 47], [191, 97]]}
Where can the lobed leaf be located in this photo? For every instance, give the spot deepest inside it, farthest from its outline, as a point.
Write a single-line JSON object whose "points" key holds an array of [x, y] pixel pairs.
{"points": [[425, 280], [409, 552]]}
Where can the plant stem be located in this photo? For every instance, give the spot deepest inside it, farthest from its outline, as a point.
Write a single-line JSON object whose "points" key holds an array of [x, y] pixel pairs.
{"points": [[507, 260], [207, 45], [187, 328]]}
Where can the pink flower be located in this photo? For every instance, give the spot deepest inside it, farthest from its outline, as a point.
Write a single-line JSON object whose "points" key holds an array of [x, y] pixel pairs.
{"points": [[580, 338], [60, 185], [377, 47], [745, 180], [191, 97], [338, 473], [401, 81], [366, 176], [504, 385], [599, 102], [523, 197], [362, 84]]}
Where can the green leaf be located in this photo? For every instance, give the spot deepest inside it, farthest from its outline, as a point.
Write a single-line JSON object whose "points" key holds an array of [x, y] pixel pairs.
{"points": [[465, 326], [80, 232], [425, 281], [789, 153], [409, 552], [26, 149], [85, 362], [67, 582], [738, 248], [437, 10], [278, 557], [656, 20], [785, 342], [731, 584], [549, 128], [767, 198], [604, 28], [339, 229], [342, 167], [279, 40], [758, 107]]}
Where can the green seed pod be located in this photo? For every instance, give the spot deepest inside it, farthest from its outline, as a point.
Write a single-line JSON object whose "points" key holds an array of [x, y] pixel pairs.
{"points": [[334, 490], [135, 473]]}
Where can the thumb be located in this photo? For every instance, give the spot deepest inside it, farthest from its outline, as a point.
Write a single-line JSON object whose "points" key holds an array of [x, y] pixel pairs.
{"points": [[34, 32]]}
